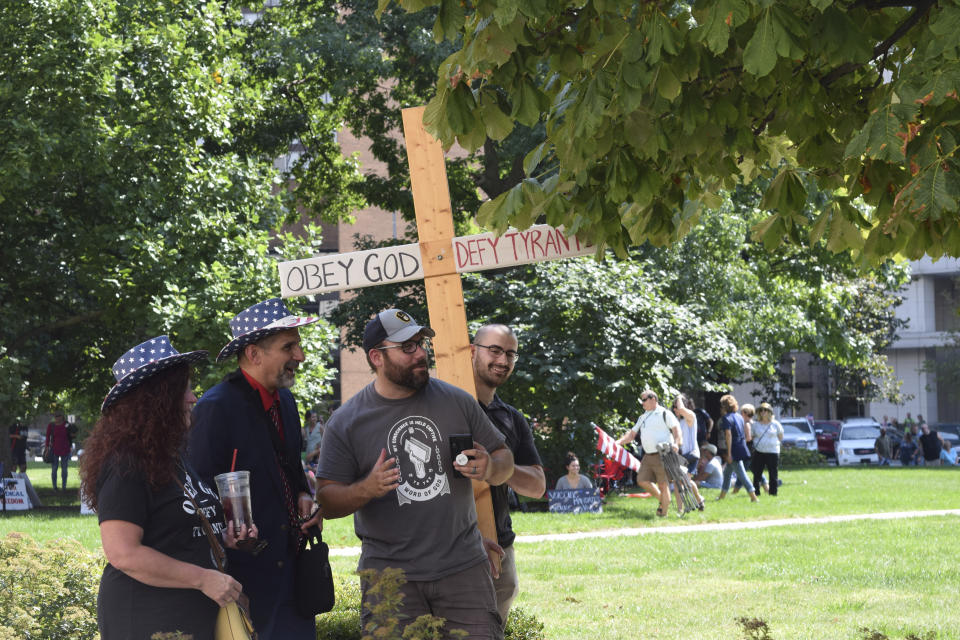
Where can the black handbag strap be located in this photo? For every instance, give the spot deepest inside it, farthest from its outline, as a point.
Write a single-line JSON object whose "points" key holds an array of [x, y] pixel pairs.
{"points": [[765, 432], [313, 537]]}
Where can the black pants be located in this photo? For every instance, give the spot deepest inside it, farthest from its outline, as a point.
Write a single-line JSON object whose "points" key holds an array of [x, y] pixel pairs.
{"points": [[768, 461]]}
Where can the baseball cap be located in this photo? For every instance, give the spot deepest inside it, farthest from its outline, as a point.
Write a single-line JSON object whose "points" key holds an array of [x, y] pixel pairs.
{"points": [[711, 448], [393, 325]]}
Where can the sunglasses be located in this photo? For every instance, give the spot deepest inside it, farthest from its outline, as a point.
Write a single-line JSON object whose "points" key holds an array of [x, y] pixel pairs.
{"points": [[410, 346]]}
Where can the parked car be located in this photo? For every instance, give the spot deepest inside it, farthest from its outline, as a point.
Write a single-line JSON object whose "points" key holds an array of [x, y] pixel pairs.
{"points": [[798, 432], [35, 442], [856, 444], [827, 432]]}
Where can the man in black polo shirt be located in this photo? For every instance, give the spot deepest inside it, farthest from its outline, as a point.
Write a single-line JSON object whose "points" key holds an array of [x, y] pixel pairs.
{"points": [[494, 352], [931, 443]]}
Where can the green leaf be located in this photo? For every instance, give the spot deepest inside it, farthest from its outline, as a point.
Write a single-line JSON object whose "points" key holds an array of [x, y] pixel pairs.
{"points": [[760, 54], [633, 48], [533, 159], [474, 138], [498, 125], [661, 37], [526, 104], [460, 107], [715, 30], [786, 193], [939, 85], [880, 137], [667, 84], [449, 21], [505, 12], [636, 74], [435, 119], [494, 45]]}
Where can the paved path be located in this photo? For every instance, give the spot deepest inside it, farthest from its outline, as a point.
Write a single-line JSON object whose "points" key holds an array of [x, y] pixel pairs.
{"points": [[717, 526]]}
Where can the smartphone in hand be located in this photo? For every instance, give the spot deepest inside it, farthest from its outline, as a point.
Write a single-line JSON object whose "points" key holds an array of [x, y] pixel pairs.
{"points": [[458, 444]]}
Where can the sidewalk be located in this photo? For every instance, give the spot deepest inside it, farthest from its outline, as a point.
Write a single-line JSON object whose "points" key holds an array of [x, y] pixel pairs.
{"points": [[718, 526]]}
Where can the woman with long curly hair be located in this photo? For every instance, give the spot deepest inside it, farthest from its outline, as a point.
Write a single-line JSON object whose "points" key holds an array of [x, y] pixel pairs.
{"points": [[161, 575]]}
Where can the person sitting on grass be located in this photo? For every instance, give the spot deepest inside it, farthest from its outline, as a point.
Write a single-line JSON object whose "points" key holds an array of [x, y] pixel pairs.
{"points": [[573, 478], [948, 457], [709, 472]]}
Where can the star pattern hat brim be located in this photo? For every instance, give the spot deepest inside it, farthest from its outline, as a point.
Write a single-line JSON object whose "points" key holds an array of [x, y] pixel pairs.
{"points": [[238, 343], [144, 372]]}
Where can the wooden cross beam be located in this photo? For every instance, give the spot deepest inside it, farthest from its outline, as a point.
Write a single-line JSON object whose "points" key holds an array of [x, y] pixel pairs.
{"points": [[438, 258]]}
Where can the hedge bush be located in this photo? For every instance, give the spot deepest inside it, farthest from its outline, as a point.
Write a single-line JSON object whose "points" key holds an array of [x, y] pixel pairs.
{"points": [[48, 591], [796, 457], [343, 623]]}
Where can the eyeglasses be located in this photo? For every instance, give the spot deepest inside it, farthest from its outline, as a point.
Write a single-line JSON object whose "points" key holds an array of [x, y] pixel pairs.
{"points": [[410, 346], [496, 351], [645, 398]]}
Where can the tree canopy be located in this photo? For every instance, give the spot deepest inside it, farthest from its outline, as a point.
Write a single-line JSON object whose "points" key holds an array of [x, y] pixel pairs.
{"points": [[713, 308], [650, 109], [138, 192]]}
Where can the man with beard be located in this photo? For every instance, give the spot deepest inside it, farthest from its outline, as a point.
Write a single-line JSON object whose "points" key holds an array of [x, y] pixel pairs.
{"points": [[387, 459], [494, 353], [250, 422]]}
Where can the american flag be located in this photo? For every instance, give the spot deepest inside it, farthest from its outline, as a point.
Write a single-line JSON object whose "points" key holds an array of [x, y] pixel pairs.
{"points": [[609, 447]]}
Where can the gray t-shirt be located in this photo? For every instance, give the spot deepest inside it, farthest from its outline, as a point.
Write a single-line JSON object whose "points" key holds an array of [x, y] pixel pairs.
{"points": [[583, 482], [428, 525]]}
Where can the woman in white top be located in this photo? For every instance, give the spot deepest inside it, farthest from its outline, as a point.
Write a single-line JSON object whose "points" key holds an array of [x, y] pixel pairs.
{"points": [[767, 435], [574, 479]]}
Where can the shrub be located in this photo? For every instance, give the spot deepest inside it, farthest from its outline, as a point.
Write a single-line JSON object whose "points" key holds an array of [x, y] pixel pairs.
{"points": [[343, 623], [794, 457], [523, 626], [48, 591]]}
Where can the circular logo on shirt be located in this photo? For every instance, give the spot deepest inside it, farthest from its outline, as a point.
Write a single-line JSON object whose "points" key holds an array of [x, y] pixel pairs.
{"points": [[416, 443]]}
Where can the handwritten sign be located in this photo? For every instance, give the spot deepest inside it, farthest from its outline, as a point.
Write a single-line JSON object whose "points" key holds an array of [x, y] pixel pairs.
{"points": [[16, 494], [402, 263], [575, 501]]}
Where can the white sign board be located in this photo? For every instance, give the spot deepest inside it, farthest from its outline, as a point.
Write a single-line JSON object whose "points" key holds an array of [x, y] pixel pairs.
{"points": [[402, 263], [16, 494]]}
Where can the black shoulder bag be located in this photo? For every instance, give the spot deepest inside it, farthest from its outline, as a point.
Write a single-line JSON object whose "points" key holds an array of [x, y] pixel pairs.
{"points": [[313, 583]]}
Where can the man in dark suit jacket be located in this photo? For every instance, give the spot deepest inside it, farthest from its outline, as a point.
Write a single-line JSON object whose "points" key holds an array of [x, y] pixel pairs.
{"points": [[252, 415]]}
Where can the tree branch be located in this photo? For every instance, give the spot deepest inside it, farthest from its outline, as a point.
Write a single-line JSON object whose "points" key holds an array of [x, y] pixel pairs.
{"points": [[922, 9], [54, 326]]}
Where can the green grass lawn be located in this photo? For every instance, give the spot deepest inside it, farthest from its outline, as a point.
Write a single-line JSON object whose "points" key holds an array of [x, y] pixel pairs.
{"points": [[816, 581]]}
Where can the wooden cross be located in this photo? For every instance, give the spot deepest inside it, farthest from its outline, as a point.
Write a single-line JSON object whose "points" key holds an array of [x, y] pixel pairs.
{"points": [[438, 258]]}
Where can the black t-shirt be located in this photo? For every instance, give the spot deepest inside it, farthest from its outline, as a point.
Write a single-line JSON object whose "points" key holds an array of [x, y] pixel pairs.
{"points": [[931, 445], [18, 446], [127, 608], [519, 439]]}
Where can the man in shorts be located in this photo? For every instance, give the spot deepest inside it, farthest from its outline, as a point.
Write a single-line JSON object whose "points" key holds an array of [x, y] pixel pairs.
{"points": [[656, 425]]}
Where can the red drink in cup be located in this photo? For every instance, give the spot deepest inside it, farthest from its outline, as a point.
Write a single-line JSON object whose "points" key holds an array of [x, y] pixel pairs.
{"points": [[234, 490]]}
